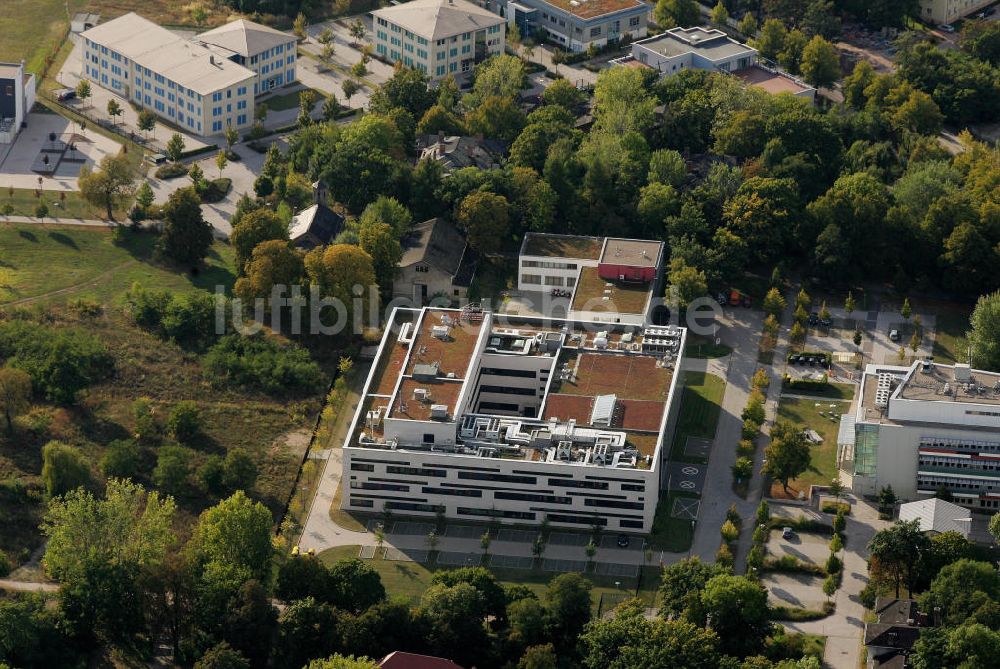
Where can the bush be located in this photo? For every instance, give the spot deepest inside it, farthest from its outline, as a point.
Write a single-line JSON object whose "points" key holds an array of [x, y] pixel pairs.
{"points": [[745, 449], [750, 430], [755, 558], [830, 506], [211, 475], [263, 363], [121, 460], [240, 471], [803, 524], [184, 421], [216, 190], [839, 523], [792, 565], [187, 319], [201, 150], [60, 361], [724, 556], [760, 534], [868, 595], [836, 544], [171, 171], [816, 385], [5, 565], [730, 532], [796, 614], [63, 468], [171, 473], [743, 468], [833, 564]]}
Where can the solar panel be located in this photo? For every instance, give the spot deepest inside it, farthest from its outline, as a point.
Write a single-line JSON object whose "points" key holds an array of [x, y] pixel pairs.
{"points": [[604, 409]]}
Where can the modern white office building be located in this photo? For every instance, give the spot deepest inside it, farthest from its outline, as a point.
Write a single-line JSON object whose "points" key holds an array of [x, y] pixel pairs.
{"points": [[438, 37], [202, 85], [576, 25], [699, 48], [486, 418], [922, 428], [17, 97], [597, 278]]}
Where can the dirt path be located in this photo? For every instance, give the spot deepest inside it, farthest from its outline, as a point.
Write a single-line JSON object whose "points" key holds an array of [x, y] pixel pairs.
{"points": [[68, 290]]}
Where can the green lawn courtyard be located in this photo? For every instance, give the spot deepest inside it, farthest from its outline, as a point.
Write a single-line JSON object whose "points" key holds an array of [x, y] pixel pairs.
{"points": [[699, 413], [821, 414]]}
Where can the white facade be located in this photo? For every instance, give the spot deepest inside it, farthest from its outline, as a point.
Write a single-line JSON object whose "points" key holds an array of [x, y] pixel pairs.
{"points": [[577, 25], [438, 37], [196, 85], [17, 97], [946, 11], [488, 450], [920, 428], [697, 48]]}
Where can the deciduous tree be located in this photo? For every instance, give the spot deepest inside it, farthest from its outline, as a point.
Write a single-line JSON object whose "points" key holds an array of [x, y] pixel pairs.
{"points": [[111, 185]]}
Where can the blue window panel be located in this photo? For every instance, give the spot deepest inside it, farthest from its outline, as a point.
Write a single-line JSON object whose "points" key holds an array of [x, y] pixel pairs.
{"points": [[216, 96], [241, 119], [148, 99], [216, 126]]}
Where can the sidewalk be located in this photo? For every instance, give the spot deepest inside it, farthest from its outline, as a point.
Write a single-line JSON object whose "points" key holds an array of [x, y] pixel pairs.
{"points": [[57, 221]]}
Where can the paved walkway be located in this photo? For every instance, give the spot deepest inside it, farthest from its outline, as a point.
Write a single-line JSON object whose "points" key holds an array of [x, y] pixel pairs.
{"points": [[319, 532], [741, 331], [27, 586], [843, 629], [48, 220]]}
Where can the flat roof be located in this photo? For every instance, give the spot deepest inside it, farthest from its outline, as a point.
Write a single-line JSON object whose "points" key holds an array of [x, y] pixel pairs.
{"points": [[184, 62], [981, 388], [706, 42], [436, 19], [772, 82], [562, 246], [588, 9], [631, 252], [9, 70], [624, 298], [453, 353]]}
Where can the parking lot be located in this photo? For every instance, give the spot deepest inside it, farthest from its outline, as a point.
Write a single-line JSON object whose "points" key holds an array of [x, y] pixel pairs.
{"points": [[812, 548]]}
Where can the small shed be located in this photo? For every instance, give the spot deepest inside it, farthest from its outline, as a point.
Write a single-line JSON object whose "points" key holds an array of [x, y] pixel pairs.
{"points": [[84, 21]]}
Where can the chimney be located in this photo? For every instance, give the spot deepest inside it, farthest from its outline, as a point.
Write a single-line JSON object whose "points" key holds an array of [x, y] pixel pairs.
{"points": [[318, 192]]}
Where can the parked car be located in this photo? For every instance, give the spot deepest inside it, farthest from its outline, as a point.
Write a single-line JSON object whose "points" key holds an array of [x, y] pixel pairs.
{"points": [[735, 298], [946, 28], [623, 541], [721, 298], [787, 533], [826, 322], [893, 335], [155, 158], [813, 318], [65, 94], [747, 301]]}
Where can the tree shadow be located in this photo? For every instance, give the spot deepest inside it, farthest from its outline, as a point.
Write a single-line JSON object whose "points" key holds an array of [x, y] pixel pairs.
{"points": [[27, 234], [64, 239]]}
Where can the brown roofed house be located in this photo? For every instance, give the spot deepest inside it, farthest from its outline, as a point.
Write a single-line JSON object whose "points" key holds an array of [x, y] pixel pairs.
{"points": [[400, 660]]}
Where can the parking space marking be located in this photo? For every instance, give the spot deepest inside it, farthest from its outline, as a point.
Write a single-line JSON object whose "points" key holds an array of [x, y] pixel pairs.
{"points": [[511, 561], [459, 558]]}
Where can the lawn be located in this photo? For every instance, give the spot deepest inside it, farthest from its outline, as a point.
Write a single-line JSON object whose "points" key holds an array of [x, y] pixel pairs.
{"points": [[699, 414], [85, 262], [950, 344], [835, 391], [705, 347], [493, 276], [287, 101], [91, 274], [410, 579], [805, 413], [671, 534], [24, 201]]}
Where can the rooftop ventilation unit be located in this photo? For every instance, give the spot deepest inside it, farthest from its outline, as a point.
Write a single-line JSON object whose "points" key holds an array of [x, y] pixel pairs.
{"points": [[439, 411], [962, 372], [439, 331], [421, 394]]}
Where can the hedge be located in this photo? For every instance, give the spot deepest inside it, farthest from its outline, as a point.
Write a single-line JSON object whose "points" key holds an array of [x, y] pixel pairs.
{"points": [[171, 171], [216, 189], [826, 355], [803, 524], [830, 506], [796, 614], [805, 384], [791, 564], [201, 150]]}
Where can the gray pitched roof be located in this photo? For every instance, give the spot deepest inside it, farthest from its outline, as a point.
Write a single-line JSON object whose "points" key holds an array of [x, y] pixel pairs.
{"points": [[455, 152], [436, 19], [317, 223], [937, 515], [245, 37], [437, 243]]}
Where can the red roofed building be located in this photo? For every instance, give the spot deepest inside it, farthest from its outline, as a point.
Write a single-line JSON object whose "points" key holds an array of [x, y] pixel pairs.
{"points": [[400, 660]]}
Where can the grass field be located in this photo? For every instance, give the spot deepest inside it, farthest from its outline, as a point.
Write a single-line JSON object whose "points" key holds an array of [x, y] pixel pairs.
{"points": [[410, 579], [950, 344], [84, 262], [704, 347], [23, 203], [670, 534], [699, 414], [806, 414], [287, 100], [77, 277], [836, 391]]}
